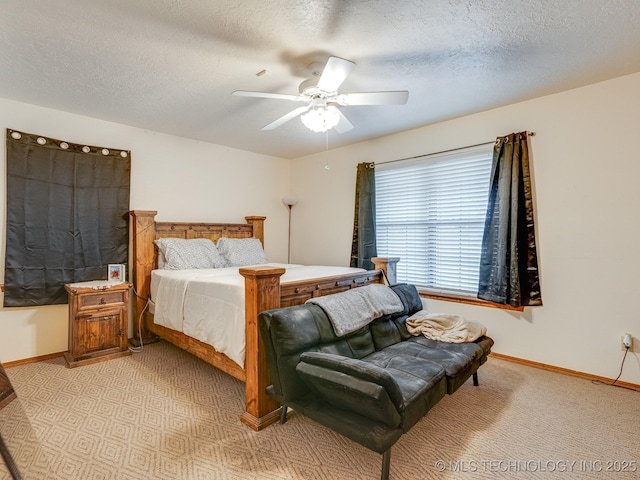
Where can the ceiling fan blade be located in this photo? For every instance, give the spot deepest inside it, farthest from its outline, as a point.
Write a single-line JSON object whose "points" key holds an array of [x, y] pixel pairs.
{"points": [[277, 96], [334, 73], [285, 118], [374, 98], [344, 125]]}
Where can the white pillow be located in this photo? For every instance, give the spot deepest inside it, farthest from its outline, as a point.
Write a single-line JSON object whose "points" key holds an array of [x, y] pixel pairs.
{"points": [[180, 253], [238, 252]]}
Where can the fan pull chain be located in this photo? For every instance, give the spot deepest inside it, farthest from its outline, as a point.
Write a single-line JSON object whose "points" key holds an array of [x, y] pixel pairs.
{"points": [[326, 151]]}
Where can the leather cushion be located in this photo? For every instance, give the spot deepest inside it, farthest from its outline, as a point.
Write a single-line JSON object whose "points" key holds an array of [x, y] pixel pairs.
{"points": [[421, 382], [307, 327], [391, 329], [350, 393], [409, 296], [478, 349], [455, 363]]}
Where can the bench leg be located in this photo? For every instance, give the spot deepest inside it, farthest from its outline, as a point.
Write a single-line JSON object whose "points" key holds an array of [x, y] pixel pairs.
{"points": [[283, 414], [386, 462], [475, 379]]}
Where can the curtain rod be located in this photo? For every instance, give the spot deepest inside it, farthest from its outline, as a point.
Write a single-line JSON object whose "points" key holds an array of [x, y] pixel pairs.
{"points": [[530, 134]]}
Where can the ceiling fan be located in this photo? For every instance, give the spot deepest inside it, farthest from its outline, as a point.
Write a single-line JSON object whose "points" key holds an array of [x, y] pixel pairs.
{"points": [[320, 93]]}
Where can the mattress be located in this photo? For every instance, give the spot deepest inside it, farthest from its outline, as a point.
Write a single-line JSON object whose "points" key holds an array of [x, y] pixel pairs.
{"points": [[208, 304]]}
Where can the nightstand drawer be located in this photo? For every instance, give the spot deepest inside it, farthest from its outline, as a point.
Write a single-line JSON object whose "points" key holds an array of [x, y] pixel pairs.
{"points": [[101, 299]]}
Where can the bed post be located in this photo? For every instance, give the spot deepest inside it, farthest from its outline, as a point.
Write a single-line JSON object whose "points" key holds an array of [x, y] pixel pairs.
{"points": [[262, 292], [258, 227], [388, 266], [142, 228]]}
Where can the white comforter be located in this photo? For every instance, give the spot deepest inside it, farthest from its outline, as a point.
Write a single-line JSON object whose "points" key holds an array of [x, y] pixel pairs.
{"points": [[209, 304]]}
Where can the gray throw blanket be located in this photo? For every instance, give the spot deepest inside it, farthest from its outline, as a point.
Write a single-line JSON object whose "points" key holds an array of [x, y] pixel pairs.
{"points": [[353, 309]]}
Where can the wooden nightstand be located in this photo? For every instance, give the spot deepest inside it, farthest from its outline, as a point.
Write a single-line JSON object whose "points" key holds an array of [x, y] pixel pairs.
{"points": [[98, 320]]}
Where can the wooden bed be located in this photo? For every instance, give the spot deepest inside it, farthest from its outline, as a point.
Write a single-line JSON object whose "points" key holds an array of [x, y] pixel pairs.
{"points": [[263, 291]]}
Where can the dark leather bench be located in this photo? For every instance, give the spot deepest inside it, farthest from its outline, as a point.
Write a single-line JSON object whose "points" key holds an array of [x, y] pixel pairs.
{"points": [[371, 385]]}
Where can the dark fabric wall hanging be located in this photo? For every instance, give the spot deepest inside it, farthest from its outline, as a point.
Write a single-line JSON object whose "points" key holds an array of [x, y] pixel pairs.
{"points": [[509, 261], [67, 217], [363, 246]]}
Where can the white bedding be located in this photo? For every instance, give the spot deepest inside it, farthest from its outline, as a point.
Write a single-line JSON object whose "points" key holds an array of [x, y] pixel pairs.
{"points": [[208, 304]]}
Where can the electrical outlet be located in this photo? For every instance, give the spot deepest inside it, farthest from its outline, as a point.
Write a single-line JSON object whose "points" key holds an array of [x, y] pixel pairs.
{"points": [[626, 342]]}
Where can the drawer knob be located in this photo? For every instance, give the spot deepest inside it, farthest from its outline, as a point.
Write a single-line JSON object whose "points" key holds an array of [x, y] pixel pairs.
{"points": [[102, 301]]}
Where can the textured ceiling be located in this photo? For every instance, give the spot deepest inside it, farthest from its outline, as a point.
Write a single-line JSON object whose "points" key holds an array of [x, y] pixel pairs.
{"points": [[171, 65]]}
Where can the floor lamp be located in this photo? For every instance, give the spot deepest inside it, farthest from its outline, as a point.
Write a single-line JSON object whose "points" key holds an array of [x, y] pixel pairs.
{"points": [[289, 202]]}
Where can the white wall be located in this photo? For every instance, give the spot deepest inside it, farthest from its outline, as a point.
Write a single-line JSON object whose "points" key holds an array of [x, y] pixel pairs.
{"points": [[184, 180], [586, 169]]}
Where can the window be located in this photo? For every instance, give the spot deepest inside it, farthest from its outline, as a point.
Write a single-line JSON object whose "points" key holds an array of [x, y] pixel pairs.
{"points": [[430, 212]]}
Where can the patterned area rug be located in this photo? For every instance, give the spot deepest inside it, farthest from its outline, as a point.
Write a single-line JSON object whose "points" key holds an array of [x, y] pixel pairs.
{"points": [[163, 414]]}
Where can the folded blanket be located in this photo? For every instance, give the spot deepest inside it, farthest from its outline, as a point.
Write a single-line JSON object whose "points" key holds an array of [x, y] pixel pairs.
{"points": [[348, 311], [444, 327]]}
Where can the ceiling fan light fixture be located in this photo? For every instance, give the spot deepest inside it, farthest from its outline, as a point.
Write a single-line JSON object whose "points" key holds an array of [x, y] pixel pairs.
{"points": [[321, 118], [320, 94]]}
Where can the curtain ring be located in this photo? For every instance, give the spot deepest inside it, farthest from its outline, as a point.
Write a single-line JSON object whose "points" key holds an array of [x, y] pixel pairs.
{"points": [[371, 165]]}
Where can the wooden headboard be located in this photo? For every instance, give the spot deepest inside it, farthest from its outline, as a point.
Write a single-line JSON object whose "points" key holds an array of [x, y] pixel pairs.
{"points": [[144, 254]]}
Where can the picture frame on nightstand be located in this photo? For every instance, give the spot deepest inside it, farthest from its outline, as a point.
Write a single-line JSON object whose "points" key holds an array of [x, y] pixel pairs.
{"points": [[116, 272]]}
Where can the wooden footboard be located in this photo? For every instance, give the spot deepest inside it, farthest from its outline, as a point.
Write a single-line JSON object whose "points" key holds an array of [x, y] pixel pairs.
{"points": [[263, 291]]}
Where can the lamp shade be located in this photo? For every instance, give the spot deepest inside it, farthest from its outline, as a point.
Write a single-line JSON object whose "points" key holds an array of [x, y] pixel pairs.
{"points": [[289, 201]]}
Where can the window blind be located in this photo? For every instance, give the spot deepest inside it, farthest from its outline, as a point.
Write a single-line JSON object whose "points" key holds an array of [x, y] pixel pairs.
{"points": [[430, 212]]}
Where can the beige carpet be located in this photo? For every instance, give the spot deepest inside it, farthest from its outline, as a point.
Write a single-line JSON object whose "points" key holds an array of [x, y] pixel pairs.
{"points": [[163, 414]]}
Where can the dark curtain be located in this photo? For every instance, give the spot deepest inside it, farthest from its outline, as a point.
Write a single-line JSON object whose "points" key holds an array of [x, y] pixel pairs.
{"points": [[363, 246], [67, 218], [509, 262]]}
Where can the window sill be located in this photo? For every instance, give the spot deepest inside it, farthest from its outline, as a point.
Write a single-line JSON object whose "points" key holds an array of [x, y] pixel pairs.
{"points": [[459, 298]]}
